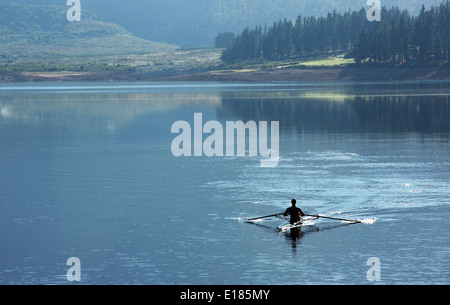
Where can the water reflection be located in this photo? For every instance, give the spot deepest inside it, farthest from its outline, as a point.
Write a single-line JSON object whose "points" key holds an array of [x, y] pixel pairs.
{"points": [[92, 115], [343, 113], [294, 237], [367, 108]]}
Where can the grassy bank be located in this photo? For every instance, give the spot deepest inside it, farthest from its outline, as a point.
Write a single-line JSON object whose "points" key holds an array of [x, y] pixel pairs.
{"points": [[205, 65], [156, 63]]}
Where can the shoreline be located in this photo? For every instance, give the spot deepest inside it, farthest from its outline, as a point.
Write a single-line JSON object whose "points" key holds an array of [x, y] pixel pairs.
{"points": [[269, 75]]}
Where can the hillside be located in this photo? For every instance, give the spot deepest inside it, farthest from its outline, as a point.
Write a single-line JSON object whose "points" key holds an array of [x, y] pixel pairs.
{"points": [[37, 43], [197, 22], [31, 32]]}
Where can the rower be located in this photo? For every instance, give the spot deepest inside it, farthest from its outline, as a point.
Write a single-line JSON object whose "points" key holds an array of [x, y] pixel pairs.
{"points": [[295, 212]]}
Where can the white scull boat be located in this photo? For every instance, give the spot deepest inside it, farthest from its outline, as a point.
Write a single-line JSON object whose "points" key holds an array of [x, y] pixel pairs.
{"points": [[299, 224]]}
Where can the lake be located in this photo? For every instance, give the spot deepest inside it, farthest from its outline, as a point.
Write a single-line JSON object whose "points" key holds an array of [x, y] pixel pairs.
{"points": [[87, 171]]}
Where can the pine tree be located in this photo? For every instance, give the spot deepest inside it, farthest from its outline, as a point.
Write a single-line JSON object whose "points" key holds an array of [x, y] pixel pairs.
{"points": [[360, 51]]}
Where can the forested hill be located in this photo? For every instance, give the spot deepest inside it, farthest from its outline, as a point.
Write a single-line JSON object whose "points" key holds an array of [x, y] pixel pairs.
{"points": [[422, 39], [197, 22], [398, 38], [34, 31]]}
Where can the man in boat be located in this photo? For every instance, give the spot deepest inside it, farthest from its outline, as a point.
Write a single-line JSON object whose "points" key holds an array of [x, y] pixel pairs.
{"points": [[295, 212]]}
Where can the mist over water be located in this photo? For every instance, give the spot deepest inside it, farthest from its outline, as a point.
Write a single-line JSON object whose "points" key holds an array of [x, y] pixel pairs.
{"points": [[86, 171]]}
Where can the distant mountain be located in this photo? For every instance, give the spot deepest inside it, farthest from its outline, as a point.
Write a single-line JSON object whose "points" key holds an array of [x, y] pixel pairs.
{"points": [[35, 31], [197, 22]]}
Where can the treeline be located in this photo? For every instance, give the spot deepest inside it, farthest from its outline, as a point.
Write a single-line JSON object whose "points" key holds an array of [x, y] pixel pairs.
{"points": [[285, 39], [398, 37], [224, 39], [422, 39]]}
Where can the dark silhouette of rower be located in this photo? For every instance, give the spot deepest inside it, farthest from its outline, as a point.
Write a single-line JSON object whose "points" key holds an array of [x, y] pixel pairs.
{"points": [[295, 212]]}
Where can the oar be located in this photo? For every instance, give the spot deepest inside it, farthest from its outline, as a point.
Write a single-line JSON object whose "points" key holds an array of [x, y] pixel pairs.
{"points": [[341, 219], [256, 218]]}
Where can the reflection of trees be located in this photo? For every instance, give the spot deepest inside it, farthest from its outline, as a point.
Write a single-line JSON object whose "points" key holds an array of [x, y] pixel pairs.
{"points": [[423, 114], [429, 114], [95, 112]]}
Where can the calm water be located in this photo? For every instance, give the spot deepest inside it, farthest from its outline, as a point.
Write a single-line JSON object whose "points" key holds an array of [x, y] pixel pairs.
{"points": [[86, 170]]}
